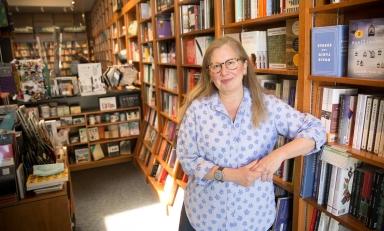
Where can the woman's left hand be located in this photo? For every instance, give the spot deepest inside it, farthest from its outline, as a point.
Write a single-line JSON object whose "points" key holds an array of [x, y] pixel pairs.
{"points": [[268, 165]]}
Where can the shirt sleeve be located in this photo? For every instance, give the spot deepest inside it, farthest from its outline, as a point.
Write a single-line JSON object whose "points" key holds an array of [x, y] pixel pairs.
{"points": [[294, 124], [190, 158]]}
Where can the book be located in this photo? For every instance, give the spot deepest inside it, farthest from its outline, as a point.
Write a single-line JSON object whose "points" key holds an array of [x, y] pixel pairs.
{"points": [[97, 152], [283, 214], [329, 50], [113, 149], [81, 155], [365, 47], [292, 43], [276, 47], [125, 147], [308, 175], [38, 182]]}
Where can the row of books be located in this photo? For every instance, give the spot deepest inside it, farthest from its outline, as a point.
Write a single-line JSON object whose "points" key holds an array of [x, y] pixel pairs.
{"points": [[165, 25], [282, 88], [344, 185], [148, 74], [151, 117], [146, 32], [168, 78], [170, 104], [167, 52], [355, 50], [197, 16], [190, 79], [150, 95], [251, 9], [98, 151], [320, 221], [194, 49], [352, 118], [167, 153], [169, 130], [276, 48]]}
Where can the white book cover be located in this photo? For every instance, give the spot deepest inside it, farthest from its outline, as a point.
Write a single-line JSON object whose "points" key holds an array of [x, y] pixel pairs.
{"points": [[359, 120], [330, 104], [367, 118], [323, 174], [373, 124], [333, 225], [380, 122]]}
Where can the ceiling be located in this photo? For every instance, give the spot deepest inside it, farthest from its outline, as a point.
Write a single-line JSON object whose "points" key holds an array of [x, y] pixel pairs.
{"points": [[50, 6]]}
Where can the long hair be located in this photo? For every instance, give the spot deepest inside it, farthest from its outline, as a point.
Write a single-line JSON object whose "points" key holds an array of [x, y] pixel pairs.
{"points": [[205, 87]]}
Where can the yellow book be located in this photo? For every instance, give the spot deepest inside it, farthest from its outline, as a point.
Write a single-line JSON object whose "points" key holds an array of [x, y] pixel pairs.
{"points": [[38, 182]]}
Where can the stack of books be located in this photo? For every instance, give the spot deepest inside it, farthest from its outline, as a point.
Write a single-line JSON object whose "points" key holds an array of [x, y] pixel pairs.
{"points": [[50, 183]]}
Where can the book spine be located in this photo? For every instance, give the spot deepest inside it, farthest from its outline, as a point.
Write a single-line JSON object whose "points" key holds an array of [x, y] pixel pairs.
{"points": [[372, 125], [367, 118], [380, 122]]}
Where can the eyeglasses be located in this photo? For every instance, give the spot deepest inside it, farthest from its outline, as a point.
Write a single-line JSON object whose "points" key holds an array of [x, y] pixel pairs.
{"points": [[230, 64]]}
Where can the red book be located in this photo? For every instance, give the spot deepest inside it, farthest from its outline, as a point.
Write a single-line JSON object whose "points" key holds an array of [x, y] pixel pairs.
{"points": [[189, 51]]}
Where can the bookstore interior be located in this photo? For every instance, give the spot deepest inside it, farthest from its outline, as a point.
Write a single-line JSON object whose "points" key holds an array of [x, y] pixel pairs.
{"points": [[103, 85]]}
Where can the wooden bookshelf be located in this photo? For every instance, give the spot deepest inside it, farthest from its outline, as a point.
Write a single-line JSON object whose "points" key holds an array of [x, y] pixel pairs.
{"points": [[309, 15]]}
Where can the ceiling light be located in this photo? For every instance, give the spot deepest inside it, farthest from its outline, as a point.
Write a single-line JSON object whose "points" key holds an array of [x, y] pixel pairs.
{"points": [[73, 2]]}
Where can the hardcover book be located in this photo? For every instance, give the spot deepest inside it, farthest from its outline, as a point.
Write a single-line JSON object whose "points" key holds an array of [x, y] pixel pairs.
{"points": [[163, 26], [276, 40], [329, 50], [292, 44], [366, 48], [82, 155]]}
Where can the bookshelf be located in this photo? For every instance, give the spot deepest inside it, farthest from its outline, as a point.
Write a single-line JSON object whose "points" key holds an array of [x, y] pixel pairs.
{"points": [[224, 21], [316, 14]]}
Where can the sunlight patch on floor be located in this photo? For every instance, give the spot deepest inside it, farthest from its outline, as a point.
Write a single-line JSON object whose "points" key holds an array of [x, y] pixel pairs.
{"points": [[147, 218]]}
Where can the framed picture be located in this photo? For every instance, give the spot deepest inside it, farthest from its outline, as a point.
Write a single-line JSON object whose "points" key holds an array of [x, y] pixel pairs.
{"points": [[107, 103]]}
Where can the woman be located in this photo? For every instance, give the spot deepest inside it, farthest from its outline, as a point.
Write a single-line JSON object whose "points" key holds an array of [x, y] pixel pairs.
{"points": [[226, 140]]}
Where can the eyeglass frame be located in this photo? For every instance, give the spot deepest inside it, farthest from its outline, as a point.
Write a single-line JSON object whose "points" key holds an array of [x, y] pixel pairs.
{"points": [[223, 63]]}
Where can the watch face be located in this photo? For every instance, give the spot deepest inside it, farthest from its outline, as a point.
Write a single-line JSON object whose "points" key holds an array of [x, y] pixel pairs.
{"points": [[218, 175]]}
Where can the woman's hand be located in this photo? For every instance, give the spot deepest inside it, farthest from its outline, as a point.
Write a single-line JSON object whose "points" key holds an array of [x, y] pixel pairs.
{"points": [[243, 176], [268, 165]]}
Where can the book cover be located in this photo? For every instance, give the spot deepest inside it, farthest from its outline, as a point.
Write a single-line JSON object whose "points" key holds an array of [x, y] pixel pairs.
{"points": [[97, 152], [292, 43], [365, 48], [113, 149], [124, 129], [276, 47], [329, 50], [82, 155], [38, 182], [189, 51], [308, 175], [125, 147], [283, 214], [163, 26]]}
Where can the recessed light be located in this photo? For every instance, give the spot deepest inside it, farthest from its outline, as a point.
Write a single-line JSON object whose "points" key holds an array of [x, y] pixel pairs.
{"points": [[73, 2]]}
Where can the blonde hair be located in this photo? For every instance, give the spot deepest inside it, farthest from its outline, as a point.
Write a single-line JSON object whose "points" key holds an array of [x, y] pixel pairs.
{"points": [[205, 87]]}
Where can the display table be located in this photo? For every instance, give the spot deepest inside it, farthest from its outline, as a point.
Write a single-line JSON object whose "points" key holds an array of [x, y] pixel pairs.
{"points": [[49, 211]]}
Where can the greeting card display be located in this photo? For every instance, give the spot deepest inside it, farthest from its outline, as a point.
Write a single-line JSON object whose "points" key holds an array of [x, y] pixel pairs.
{"points": [[90, 79]]}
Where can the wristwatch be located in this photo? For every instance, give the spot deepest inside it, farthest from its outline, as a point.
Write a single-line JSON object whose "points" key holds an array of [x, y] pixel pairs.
{"points": [[218, 174]]}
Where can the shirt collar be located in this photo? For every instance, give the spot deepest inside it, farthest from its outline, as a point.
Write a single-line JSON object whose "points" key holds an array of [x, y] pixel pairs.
{"points": [[215, 103]]}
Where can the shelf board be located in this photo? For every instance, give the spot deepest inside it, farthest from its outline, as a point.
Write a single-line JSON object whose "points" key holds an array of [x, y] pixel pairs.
{"points": [[181, 183], [103, 162], [288, 186], [169, 117], [71, 126], [171, 171], [166, 138], [191, 66], [77, 144], [261, 20], [132, 36], [198, 32], [112, 123], [367, 157], [110, 111], [346, 220], [167, 64], [348, 80], [277, 71], [167, 10], [345, 4], [166, 38], [146, 42], [145, 20], [110, 140], [172, 91], [141, 166]]}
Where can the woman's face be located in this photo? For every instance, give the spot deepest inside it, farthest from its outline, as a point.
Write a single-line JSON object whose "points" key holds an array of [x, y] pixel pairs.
{"points": [[227, 70]]}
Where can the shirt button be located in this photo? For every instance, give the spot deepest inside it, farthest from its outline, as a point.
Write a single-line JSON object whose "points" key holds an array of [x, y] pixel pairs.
{"points": [[237, 125]]}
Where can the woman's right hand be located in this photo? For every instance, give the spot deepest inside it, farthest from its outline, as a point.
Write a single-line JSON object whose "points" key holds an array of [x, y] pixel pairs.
{"points": [[243, 176]]}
